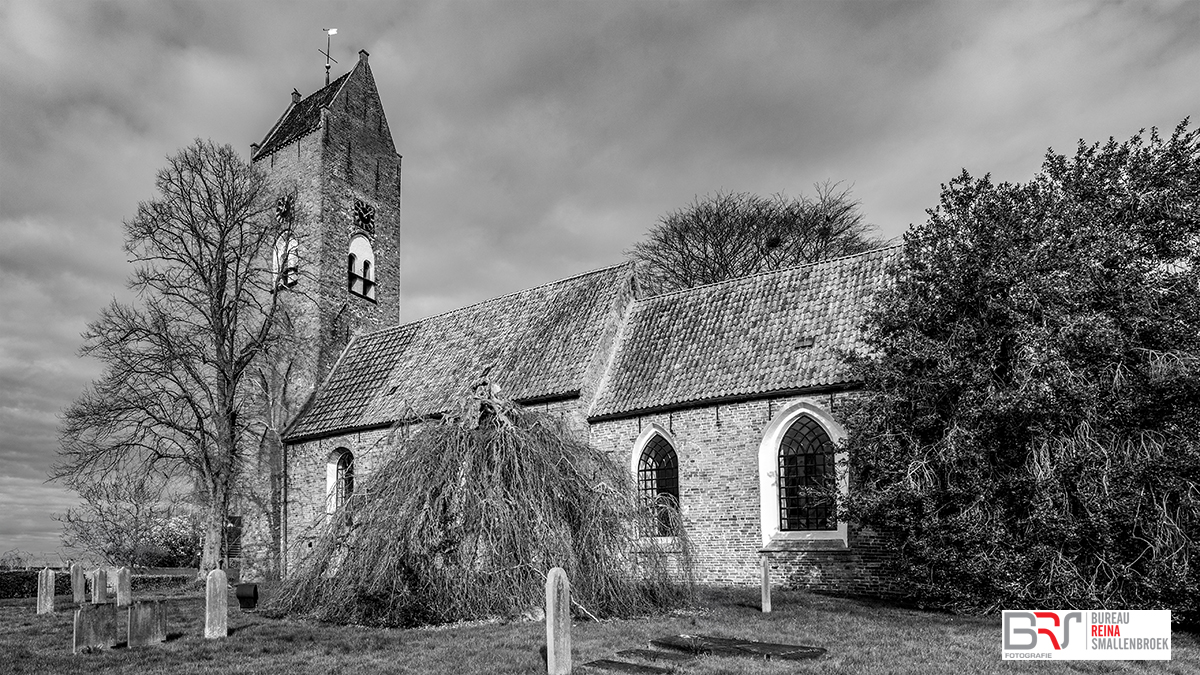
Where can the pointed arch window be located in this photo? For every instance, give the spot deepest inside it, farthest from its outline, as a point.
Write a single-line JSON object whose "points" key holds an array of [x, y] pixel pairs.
{"points": [[339, 479], [658, 481], [806, 468], [285, 266], [361, 268]]}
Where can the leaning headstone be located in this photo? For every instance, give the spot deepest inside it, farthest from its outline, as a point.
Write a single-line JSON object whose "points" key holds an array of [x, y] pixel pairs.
{"points": [[216, 611], [78, 586], [124, 587], [147, 623], [45, 600], [558, 623], [95, 627], [766, 585], [99, 586]]}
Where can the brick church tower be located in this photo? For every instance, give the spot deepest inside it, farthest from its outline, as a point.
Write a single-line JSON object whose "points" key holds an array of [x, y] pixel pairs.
{"points": [[331, 159]]}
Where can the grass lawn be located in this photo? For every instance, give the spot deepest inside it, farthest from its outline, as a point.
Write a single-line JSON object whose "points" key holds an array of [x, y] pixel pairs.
{"points": [[860, 637]]}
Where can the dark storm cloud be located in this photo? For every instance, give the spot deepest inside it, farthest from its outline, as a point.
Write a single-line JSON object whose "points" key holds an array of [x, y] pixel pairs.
{"points": [[540, 139]]}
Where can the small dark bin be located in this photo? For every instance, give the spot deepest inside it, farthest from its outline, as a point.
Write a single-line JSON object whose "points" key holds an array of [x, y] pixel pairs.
{"points": [[247, 595]]}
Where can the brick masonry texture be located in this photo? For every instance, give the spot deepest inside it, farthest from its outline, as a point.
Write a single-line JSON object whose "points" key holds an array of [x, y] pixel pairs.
{"points": [[307, 472], [718, 447]]}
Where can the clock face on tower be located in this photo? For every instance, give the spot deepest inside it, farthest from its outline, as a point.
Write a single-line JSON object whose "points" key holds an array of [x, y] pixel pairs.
{"points": [[364, 215]]}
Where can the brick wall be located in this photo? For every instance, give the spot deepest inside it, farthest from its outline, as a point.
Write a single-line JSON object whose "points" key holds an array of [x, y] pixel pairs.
{"points": [[718, 451], [718, 448], [307, 471]]}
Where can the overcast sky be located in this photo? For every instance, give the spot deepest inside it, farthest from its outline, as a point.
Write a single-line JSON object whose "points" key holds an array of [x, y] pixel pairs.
{"points": [[540, 139]]}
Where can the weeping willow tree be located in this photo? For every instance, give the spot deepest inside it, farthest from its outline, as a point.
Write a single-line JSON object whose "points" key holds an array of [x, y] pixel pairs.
{"points": [[468, 514]]}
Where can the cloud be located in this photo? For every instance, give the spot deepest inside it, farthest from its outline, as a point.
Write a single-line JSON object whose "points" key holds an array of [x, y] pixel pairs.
{"points": [[540, 139]]}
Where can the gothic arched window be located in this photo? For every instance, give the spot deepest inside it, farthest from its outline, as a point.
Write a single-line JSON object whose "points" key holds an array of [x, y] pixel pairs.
{"points": [[339, 479], [658, 481], [806, 467], [285, 265], [361, 268]]}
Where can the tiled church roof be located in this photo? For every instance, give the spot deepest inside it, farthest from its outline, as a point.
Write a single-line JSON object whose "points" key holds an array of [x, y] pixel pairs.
{"points": [[743, 337], [301, 119], [539, 342]]}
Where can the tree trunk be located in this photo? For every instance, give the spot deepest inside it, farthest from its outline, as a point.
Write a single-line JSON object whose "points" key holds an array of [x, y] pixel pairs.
{"points": [[214, 528]]}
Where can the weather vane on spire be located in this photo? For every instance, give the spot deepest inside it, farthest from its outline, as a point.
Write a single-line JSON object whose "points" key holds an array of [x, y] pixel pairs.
{"points": [[329, 32]]}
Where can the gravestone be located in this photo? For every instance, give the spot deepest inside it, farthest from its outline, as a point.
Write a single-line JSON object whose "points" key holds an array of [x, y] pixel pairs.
{"points": [[45, 597], [147, 623], [766, 585], [99, 586], [216, 610], [124, 587], [78, 585], [95, 627], [558, 622]]}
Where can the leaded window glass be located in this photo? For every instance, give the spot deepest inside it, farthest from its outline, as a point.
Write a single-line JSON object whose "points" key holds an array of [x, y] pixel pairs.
{"points": [[658, 481], [344, 485], [806, 466]]}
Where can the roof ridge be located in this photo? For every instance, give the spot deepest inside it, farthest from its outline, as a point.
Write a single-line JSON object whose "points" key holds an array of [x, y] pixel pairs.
{"points": [[493, 299], [337, 85], [769, 272]]}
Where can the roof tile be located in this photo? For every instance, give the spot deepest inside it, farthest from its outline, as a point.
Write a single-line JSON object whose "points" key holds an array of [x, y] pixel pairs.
{"points": [[742, 337], [301, 119], [538, 342]]}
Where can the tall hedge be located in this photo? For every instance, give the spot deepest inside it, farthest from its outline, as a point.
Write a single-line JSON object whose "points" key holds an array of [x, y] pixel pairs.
{"points": [[1031, 424]]}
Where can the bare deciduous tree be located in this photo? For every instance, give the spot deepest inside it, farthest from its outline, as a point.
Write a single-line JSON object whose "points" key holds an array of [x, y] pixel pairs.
{"points": [[729, 235], [178, 394]]}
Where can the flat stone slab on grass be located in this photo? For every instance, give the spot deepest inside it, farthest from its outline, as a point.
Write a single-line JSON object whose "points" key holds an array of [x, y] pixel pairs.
{"points": [[656, 655], [608, 665], [719, 646]]}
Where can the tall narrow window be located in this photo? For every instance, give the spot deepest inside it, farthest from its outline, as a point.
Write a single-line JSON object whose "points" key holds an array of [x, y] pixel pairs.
{"points": [[345, 478], [361, 275], [339, 479], [658, 481], [284, 264], [806, 469]]}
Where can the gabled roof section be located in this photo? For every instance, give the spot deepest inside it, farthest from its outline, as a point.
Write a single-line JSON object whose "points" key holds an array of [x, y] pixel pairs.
{"points": [[744, 338], [302, 118], [537, 342]]}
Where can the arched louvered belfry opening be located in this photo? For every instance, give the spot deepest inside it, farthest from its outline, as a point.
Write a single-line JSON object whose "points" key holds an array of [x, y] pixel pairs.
{"points": [[806, 466], [658, 481], [361, 268]]}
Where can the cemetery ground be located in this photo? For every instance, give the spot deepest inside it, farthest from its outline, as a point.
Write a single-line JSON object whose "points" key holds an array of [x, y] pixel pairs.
{"points": [[860, 636]]}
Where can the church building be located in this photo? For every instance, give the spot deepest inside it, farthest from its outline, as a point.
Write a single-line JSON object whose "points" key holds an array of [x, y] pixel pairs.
{"points": [[727, 397]]}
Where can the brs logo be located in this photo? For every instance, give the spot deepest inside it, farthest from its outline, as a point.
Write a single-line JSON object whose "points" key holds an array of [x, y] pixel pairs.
{"points": [[1032, 630]]}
